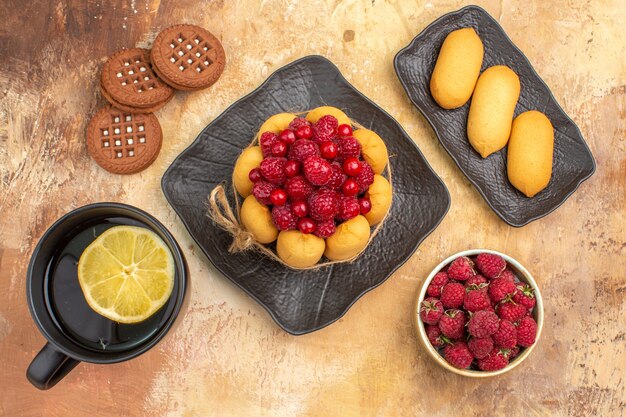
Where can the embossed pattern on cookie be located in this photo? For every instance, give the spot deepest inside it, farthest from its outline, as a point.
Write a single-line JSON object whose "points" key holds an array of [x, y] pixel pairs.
{"points": [[188, 57], [123, 142], [128, 79]]}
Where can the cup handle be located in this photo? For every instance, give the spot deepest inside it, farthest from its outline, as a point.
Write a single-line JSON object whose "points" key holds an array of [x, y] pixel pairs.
{"points": [[49, 367]]}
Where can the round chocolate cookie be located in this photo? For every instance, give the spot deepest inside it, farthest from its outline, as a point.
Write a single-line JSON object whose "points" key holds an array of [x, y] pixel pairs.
{"points": [[130, 109], [128, 79], [188, 57], [123, 142]]}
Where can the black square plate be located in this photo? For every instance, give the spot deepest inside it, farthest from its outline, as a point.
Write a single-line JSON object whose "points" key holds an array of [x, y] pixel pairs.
{"points": [[304, 301], [573, 162]]}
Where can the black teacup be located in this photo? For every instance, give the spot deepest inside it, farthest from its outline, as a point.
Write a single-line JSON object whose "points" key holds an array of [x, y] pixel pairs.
{"points": [[74, 331]]}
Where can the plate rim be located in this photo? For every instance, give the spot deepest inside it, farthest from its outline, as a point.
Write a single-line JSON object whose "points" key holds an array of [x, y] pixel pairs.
{"points": [[502, 216], [341, 78]]}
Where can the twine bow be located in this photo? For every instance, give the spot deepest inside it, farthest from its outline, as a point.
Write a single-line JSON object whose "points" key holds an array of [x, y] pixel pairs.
{"points": [[221, 213]]}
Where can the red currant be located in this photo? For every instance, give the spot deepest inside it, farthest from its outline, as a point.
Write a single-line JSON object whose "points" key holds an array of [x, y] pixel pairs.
{"points": [[344, 130], [350, 187], [304, 132], [292, 168], [278, 197], [306, 225], [254, 175], [300, 208], [288, 136], [279, 148], [352, 166], [328, 150], [365, 204]]}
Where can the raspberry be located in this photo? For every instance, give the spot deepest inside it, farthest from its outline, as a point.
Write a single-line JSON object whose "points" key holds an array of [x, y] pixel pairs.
{"points": [[365, 178], [325, 229], [298, 188], [317, 170], [511, 311], [461, 269], [435, 336], [298, 122], [283, 217], [475, 300], [480, 347], [262, 191], [452, 295], [494, 361], [325, 129], [491, 265], [324, 204], [349, 147], [506, 336], [337, 178], [348, 208], [273, 169], [266, 141], [436, 284], [526, 331], [499, 289], [478, 280], [483, 323], [279, 149], [458, 355], [431, 310], [452, 324], [525, 296], [301, 149], [508, 275], [514, 352]]}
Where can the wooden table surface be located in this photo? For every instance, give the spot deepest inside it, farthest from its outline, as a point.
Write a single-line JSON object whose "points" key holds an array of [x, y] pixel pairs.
{"points": [[226, 357]]}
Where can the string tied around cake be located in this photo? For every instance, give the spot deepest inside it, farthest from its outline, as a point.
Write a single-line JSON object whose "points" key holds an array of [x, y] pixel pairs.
{"points": [[222, 214]]}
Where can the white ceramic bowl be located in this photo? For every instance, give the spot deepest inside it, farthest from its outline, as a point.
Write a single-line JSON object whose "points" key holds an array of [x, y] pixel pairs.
{"points": [[521, 273]]}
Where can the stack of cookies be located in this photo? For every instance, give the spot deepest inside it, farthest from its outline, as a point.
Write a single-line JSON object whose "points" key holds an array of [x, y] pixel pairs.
{"points": [[125, 138]]}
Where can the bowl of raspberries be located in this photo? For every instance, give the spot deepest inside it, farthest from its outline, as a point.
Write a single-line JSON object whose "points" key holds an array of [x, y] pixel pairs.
{"points": [[479, 313]]}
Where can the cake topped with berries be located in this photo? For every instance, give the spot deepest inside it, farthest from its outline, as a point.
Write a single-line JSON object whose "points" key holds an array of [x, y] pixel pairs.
{"points": [[313, 184]]}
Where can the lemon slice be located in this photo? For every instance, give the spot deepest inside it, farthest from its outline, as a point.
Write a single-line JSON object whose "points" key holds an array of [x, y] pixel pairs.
{"points": [[126, 274]]}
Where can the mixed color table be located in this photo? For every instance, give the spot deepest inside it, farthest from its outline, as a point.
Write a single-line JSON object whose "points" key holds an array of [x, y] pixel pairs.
{"points": [[226, 357]]}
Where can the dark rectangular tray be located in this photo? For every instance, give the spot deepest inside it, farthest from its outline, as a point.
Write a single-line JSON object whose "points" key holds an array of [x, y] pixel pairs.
{"points": [[573, 161]]}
